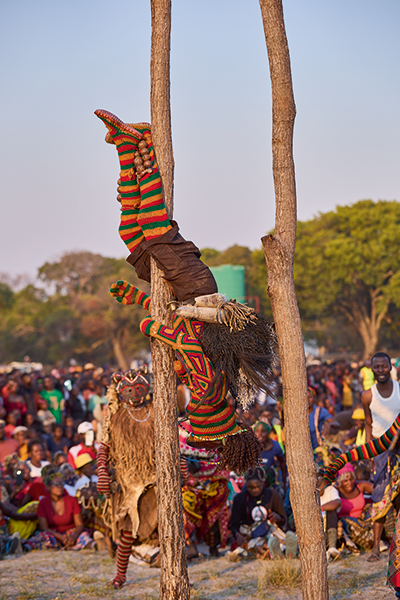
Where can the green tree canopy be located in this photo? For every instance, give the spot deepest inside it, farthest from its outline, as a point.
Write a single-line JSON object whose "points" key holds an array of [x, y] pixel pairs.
{"points": [[348, 263]]}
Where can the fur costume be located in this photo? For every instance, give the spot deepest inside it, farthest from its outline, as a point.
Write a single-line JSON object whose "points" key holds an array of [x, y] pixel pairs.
{"points": [[128, 448]]}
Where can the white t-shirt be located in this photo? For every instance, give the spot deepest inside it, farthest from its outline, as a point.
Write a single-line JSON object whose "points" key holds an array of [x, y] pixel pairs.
{"points": [[384, 410], [330, 494], [36, 471]]}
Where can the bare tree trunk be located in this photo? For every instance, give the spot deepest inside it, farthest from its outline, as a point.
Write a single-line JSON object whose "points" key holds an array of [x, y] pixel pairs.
{"points": [[279, 254], [174, 583]]}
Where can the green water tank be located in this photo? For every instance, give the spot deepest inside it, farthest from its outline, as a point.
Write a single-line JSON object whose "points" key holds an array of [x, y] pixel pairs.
{"points": [[230, 281]]}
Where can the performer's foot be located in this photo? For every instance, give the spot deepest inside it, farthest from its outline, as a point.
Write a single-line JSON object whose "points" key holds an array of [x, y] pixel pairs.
{"points": [[118, 129], [127, 141], [374, 557], [118, 582]]}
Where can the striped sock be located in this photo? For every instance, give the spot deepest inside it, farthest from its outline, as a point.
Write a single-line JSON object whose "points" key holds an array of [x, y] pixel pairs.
{"points": [[126, 140], [369, 450], [153, 218], [123, 554]]}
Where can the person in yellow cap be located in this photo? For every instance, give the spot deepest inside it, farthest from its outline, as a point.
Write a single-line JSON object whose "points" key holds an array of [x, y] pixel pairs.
{"points": [[356, 436], [84, 467]]}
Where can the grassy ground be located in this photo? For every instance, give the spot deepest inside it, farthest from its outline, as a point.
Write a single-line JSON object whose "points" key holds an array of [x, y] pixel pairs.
{"points": [[49, 575]]}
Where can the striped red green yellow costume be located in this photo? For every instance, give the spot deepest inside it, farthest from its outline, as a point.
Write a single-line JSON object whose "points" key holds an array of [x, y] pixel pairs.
{"points": [[210, 415], [143, 213], [369, 450], [145, 227]]}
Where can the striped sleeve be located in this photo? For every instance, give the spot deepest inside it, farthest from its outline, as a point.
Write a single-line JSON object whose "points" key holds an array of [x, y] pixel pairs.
{"points": [[369, 450]]}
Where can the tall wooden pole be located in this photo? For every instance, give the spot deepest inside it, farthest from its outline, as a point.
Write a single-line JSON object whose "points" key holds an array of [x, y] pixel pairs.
{"points": [[279, 254], [174, 583]]}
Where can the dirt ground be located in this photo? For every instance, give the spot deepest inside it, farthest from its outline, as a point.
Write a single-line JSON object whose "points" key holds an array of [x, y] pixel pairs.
{"points": [[49, 575]]}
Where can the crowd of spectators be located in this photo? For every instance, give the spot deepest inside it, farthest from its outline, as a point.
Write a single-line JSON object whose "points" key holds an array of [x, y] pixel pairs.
{"points": [[50, 428]]}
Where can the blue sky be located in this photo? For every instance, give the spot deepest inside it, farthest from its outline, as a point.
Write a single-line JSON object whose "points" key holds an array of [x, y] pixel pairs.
{"points": [[62, 60]]}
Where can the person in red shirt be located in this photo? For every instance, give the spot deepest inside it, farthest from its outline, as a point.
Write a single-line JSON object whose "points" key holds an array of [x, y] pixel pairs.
{"points": [[7, 446], [60, 518]]}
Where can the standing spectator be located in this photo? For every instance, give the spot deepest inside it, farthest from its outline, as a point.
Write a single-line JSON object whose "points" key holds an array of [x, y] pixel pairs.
{"points": [[7, 446], [76, 405], [12, 420], [12, 400], [36, 455], [28, 394], [96, 398], [381, 406], [86, 443], [367, 376], [347, 392], [320, 420], [54, 398], [88, 390]]}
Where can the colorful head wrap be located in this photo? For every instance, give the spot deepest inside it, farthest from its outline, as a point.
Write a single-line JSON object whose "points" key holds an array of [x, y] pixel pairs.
{"points": [[49, 474], [346, 472]]}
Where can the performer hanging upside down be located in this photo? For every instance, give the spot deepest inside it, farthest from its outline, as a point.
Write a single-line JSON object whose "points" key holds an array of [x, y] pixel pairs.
{"points": [[219, 344]]}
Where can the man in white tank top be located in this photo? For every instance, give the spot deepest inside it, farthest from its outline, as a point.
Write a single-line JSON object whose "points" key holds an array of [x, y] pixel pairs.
{"points": [[381, 406]]}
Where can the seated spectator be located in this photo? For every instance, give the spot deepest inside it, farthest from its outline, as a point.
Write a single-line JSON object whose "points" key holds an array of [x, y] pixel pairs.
{"points": [[36, 456], [354, 513], [7, 446], [258, 515], [59, 459], [10, 543], [20, 435], [69, 475], [60, 518], [58, 442], [84, 467], [86, 443], [272, 453], [356, 435], [23, 518], [22, 479]]}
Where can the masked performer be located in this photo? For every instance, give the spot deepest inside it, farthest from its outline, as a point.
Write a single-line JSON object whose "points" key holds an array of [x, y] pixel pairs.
{"points": [[218, 344], [128, 445]]}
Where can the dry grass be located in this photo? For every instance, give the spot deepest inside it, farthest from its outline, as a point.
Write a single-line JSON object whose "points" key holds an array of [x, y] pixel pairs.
{"points": [[284, 573]]}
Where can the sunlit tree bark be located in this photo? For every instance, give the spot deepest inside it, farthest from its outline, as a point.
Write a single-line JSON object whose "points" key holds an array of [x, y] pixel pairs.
{"points": [[279, 254]]}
